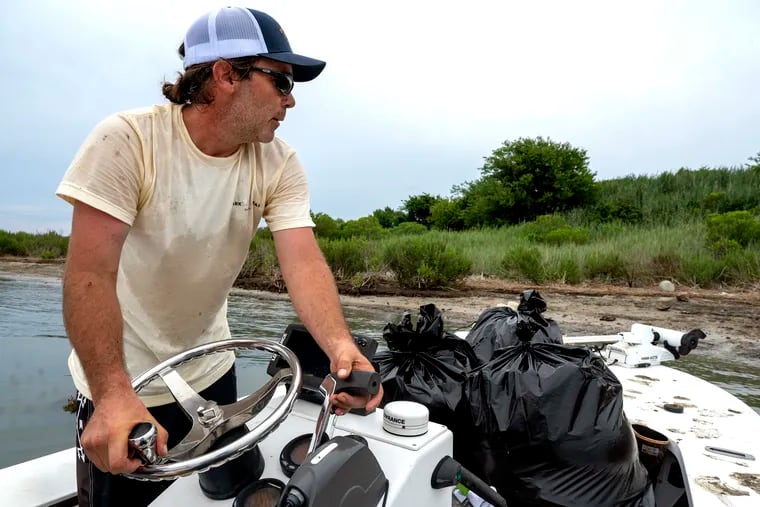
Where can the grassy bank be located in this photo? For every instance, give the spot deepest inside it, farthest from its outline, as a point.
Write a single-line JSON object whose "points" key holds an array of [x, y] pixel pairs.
{"points": [[627, 255]]}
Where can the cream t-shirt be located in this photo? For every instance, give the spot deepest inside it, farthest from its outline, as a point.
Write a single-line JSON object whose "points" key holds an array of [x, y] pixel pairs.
{"points": [[192, 220]]}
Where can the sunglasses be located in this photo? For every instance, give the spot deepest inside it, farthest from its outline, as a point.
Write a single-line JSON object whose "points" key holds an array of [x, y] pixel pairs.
{"points": [[282, 81]]}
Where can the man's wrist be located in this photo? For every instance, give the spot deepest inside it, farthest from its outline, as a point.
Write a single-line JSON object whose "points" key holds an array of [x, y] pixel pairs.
{"points": [[113, 387]]}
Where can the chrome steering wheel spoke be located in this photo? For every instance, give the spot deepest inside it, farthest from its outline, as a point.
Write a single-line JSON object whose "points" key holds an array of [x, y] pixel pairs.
{"points": [[209, 420]]}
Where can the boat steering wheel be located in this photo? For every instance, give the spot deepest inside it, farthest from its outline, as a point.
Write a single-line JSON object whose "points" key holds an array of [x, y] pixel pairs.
{"points": [[210, 420]]}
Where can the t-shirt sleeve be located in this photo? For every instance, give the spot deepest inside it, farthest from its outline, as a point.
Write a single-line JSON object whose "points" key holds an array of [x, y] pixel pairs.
{"points": [[106, 171], [288, 205]]}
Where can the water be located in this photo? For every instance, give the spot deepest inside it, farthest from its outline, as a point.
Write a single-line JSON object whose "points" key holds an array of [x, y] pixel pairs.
{"points": [[35, 383]]}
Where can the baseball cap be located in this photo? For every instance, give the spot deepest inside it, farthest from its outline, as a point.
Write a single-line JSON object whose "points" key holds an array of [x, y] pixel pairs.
{"points": [[234, 32]]}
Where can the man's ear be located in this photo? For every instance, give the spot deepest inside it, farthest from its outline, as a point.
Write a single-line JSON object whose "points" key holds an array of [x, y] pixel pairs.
{"points": [[223, 74]]}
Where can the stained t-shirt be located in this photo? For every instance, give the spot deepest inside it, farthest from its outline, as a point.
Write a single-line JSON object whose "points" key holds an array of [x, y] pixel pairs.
{"points": [[192, 220]]}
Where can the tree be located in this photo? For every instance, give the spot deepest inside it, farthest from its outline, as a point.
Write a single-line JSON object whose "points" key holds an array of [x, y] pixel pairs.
{"points": [[538, 176], [325, 226], [486, 202], [446, 215], [418, 208], [365, 227], [755, 162], [389, 218]]}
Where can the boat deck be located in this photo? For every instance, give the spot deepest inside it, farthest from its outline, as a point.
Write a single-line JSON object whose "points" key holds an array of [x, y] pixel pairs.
{"points": [[716, 432]]}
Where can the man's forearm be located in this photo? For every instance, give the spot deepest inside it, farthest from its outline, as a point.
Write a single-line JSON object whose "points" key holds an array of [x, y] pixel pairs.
{"points": [[312, 290], [93, 321]]}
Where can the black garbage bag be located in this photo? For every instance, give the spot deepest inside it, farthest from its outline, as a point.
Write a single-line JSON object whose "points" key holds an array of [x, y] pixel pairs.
{"points": [[425, 364], [501, 327], [550, 429]]}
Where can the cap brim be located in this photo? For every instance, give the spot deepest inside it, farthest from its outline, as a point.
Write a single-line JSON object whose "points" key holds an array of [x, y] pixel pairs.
{"points": [[304, 68]]}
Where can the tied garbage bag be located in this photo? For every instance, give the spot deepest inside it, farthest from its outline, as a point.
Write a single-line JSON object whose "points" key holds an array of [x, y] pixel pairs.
{"points": [[501, 327], [425, 364], [549, 428]]}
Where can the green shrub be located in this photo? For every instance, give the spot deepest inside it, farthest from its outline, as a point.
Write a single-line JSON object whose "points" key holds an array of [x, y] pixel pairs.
{"points": [[263, 233], [575, 235], [724, 247], [424, 262], [9, 245], [542, 225], [742, 266], [606, 266], [346, 257], [739, 226], [714, 202], [666, 265], [701, 269], [564, 269], [325, 226], [623, 210], [523, 262], [365, 227], [261, 259], [554, 230], [409, 228], [23, 244]]}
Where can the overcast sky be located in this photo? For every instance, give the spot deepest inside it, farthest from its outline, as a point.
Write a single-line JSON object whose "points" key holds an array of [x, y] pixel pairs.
{"points": [[414, 95]]}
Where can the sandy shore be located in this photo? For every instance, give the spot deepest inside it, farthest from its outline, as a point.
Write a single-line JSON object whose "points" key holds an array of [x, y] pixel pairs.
{"points": [[728, 317]]}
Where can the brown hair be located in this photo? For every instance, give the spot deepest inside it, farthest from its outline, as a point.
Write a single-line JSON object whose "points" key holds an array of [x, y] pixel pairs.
{"points": [[192, 86]]}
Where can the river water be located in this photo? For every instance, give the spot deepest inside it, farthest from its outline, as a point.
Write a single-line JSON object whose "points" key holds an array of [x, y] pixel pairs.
{"points": [[35, 383]]}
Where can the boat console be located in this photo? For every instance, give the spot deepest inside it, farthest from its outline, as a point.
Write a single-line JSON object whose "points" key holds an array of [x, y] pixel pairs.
{"points": [[311, 457]]}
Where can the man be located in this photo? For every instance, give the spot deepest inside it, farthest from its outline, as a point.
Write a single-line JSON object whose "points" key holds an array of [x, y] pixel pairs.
{"points": [[165, 203]]}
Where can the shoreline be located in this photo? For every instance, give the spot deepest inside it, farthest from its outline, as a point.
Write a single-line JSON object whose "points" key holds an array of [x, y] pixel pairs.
{"points": [[727, 316]]}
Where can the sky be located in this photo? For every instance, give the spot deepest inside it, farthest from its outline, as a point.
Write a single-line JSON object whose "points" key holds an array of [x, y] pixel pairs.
{"points": [[415, 93]]}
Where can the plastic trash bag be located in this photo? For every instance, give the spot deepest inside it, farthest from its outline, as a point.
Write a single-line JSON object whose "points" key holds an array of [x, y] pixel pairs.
{"points": [[425, 364], [501, 327], [549, 425]]}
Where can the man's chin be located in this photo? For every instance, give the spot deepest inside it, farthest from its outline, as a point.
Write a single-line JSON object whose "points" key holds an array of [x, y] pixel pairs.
{"points": [[266, 138]]}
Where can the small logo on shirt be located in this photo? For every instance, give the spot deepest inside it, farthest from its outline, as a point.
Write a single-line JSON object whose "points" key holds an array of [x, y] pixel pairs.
{"points": [[241, 203]]}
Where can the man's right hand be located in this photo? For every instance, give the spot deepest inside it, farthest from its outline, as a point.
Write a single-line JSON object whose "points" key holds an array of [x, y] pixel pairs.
{"points": [[106, 434]]}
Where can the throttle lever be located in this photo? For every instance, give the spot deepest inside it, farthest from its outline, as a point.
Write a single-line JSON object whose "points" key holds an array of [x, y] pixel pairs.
{"points": [[142, 443], [358, 382]]}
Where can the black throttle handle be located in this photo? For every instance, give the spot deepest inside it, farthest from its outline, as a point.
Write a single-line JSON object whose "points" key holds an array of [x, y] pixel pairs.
{"points": [[359, 382]]}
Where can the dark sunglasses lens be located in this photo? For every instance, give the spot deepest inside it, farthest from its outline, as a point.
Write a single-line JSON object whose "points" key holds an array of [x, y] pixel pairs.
{"points": [[284, 83]]}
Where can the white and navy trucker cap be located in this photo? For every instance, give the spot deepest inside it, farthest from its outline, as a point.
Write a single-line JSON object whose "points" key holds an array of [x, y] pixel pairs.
{"points": [[234, 32]]}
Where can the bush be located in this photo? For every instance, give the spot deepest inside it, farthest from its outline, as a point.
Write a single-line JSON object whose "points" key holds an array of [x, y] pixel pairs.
{"points": [[365, 227], [48, 245], [261, 259], [325, 226], [346, 257], [565, 269], [666, 265], [424, 262], [523, 262], [606, 266], [702, 270], [9, 245], [623, 211], [742, 266], [739, 226], [553, 229], [409, 228], [575, 235]]}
